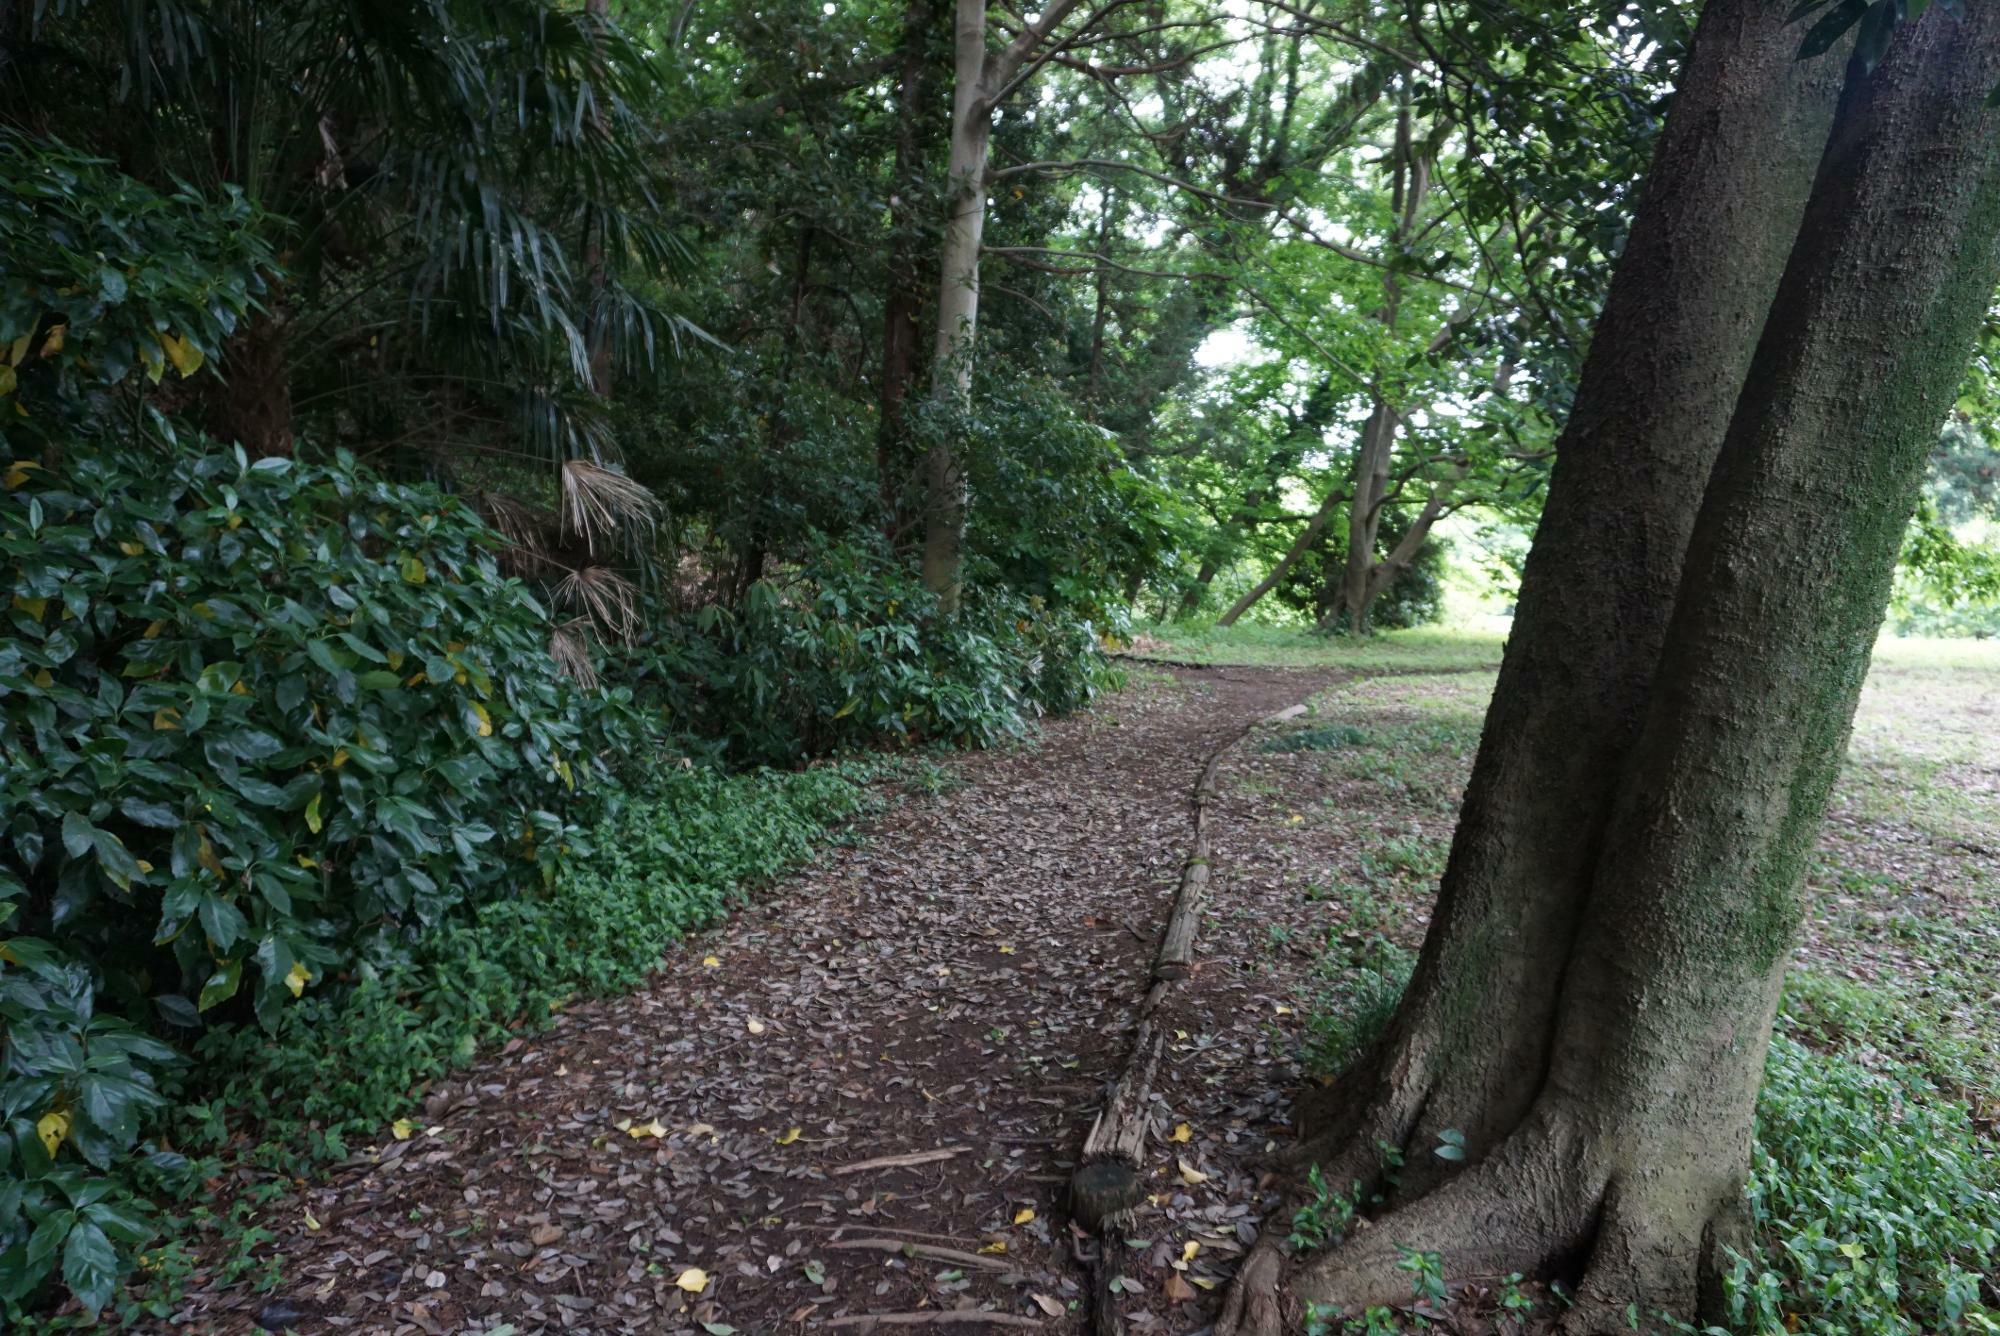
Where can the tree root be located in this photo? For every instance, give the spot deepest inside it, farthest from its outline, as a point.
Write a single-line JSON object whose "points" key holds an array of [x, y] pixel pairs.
{"points": [[1255, 1305], [1540, 1204]]}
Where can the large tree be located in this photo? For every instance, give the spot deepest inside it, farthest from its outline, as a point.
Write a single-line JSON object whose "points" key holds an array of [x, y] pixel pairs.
{"points": [[1591, 1012]]}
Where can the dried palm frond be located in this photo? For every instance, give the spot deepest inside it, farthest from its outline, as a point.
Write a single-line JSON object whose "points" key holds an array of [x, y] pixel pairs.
{"points": [[608, 599], [572, 653], [598, 501], [526, 528]]}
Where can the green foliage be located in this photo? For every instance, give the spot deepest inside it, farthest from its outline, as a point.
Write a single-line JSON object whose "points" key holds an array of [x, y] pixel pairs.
{"points": [[853, 651], [668, 861], [261, 724], [1876, 1204], [106, 279]]}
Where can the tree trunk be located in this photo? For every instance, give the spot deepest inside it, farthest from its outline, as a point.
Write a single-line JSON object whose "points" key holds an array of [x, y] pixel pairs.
{"points": [[1300, 545], [958, 303], [251, 401], [902, 308], [1672, 348], [1364, 514], [1600, 1039]]}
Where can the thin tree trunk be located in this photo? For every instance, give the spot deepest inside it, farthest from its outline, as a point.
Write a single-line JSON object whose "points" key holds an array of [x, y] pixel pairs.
{"points": [[1631, 1145], [958, 303], [904, 304], [1300, 546], [250, 402], [1716, 222], [1364, 513]]}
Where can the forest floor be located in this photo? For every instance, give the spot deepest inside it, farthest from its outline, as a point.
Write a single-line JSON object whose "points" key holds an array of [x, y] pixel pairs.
{"points": [[956, 986]]}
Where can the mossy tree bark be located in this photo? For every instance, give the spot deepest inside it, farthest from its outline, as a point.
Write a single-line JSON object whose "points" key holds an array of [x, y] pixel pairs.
{"points": [[1595, 999]]}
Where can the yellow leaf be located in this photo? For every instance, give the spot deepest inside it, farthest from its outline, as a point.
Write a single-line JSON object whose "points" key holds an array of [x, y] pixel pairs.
{"points": [[235, 521], [650, 1131], [313, 823], [297, 978], [701, 1130], [53, 1130], [44, 679], [312, 1223], [568, 776], [130, 549], [8, 379], [402, 1129], [789, 1137], [153, 630], [1006, 950], [712, 962], [144, 866], [1284, 1010], [396, 660], [997, 1246], [485, 720], [17, 473], [754, 1025], [1024, 1215], [1189, 1249], [34, 607], [53, 342], [185, 356], [413, 571], [1852, 1251], [1181, 1133], [167, 720], [694, 1280], [204, 854], [1206, 1282], [1189, 1174], [339, 757]]}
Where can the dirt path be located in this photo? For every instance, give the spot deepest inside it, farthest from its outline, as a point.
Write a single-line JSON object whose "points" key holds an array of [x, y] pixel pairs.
{"points": [[962, 981]]}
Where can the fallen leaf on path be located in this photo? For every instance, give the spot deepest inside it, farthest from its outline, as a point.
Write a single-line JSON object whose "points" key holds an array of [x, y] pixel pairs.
{"points": [[754, 1025], [402, 1128], [1024, 1215], [1189, 1174], [694, 1280], [789, 1137], [711, 962], [1177, 1289], [1181, 1133], [1047, 1305]]}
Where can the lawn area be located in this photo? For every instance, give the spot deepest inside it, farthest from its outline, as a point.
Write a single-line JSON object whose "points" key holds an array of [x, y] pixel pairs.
{"points": [[1876, 1187], [1427, 647]]}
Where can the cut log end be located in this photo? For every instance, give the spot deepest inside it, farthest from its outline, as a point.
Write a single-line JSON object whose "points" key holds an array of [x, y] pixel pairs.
{"points": [[1102, 1191]]}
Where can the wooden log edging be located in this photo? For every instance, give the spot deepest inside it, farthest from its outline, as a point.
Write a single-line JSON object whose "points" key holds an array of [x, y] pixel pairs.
{"points": [[1110, 1176]]}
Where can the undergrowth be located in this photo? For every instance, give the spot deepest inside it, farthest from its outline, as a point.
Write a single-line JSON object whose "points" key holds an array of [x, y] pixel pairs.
{"points": [[339, 1071]]}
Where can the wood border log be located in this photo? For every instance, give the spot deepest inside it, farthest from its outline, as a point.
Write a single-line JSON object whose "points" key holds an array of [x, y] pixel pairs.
{"points": [[1110, 1176]]}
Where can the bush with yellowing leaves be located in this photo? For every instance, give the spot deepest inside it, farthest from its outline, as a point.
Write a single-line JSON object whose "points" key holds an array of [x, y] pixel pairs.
{"points": [[260, 725]]}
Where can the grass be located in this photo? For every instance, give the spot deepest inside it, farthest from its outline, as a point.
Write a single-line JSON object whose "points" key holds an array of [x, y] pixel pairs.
{"points": [[1427, 648], [1875, 1186]]}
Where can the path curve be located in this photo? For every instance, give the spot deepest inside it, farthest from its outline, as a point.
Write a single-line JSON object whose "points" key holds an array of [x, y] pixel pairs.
{"points": [[962, 980]]}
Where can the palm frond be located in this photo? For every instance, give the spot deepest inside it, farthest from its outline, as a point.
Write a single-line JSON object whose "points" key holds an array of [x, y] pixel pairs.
{"points": [[606, 598], [599, 502], [571, 651]]}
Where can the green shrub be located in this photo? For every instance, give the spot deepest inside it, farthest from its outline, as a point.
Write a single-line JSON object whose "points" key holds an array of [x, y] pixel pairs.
{"points": [[1876, 1205], [670, 862], [852, 651], [259, 725]]}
